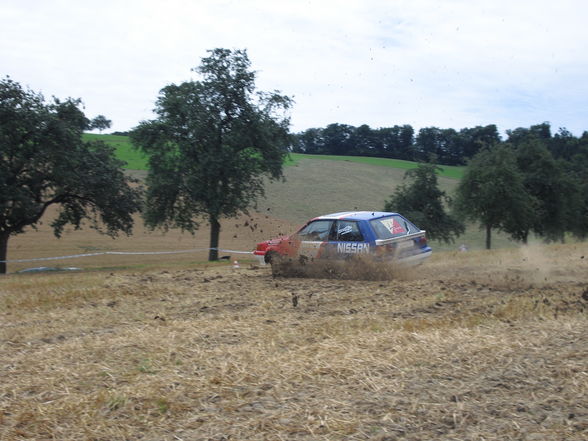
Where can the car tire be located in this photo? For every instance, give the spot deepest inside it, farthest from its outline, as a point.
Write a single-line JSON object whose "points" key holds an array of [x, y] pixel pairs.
{"points": [[274, 260]]}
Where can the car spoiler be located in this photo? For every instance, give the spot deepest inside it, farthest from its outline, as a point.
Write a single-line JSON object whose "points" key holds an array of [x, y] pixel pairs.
{"points": [[398, 238]]}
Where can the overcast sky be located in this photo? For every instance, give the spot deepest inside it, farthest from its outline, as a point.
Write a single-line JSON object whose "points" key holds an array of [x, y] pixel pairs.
{"points": [[444, 63]]}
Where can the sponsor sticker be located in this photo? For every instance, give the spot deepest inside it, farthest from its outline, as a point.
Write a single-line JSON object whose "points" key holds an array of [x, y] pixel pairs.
{"points": [[393, 226], [353, 248]]}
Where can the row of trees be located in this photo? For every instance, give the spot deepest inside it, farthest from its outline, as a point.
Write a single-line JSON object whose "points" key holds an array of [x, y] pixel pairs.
{"points": [[532, 184], [448, 146]]}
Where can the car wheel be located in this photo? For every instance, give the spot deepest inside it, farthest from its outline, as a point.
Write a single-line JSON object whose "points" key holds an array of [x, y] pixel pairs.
{"points": [[275, 261]]}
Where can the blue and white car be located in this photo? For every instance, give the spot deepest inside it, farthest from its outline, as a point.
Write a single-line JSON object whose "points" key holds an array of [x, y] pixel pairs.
{"points": [[340, 237]]}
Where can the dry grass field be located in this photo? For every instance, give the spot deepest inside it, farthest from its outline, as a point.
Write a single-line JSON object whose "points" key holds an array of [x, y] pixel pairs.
{"points": [[471, 346]]}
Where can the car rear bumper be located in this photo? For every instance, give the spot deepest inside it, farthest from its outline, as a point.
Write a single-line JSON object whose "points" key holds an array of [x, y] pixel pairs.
{"points": [[416, 259]]}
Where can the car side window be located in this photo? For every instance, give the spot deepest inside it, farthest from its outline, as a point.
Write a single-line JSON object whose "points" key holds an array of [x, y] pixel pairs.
{"points": [[393, 226], [316, 230], [347, 231]]}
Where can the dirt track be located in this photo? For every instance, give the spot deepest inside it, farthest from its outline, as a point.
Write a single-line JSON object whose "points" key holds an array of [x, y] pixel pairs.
{"points": [[471, 346]]}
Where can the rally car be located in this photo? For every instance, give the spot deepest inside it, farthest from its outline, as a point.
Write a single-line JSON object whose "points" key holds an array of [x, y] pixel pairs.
{"points": [[336, 238]]}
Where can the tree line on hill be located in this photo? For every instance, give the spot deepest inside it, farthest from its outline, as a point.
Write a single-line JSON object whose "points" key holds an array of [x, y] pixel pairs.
{"points": [[447, 146]]}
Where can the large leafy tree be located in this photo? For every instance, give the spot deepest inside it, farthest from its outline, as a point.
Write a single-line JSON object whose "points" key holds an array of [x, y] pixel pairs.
{"points": [[441, 143], [472, 140], [576, 177], [394, 142], [564, 145], [522, 134], [211, 145], [338, 139], [423, 202], [45, 162], [554, 195], [492, 192]]}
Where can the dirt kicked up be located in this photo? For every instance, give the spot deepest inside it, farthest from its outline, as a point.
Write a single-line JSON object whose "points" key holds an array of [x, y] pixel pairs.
{"points": [[469, 346]]}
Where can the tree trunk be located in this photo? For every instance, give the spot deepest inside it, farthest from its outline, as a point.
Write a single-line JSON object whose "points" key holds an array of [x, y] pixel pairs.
{"points": [[214, 236], [3, 251], [488, 236]]}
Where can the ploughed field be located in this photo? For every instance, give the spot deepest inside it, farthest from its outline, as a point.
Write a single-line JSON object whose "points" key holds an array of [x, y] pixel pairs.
{"points": [[469, 346]]}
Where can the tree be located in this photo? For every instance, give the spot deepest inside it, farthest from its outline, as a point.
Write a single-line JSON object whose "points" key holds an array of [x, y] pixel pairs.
{"points": [[396, 142], [100, 123], [521, 134], [564, 145], [471, 140], [575, 173], [338, 139], [443, 143], [553, 193], [364, 141], [492, 192], [44, 162], [211, 145], [423, 202], [310, 141]]}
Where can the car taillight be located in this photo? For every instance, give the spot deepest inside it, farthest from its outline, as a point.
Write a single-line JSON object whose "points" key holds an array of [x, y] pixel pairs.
{"points": [[384, 249]]}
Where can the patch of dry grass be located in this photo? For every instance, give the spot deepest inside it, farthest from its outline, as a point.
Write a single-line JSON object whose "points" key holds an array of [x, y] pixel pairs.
{"points": [[476, 346]]}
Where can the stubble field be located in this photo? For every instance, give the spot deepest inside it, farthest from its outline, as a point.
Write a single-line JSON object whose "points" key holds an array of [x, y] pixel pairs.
{"points": [[470, 346]]}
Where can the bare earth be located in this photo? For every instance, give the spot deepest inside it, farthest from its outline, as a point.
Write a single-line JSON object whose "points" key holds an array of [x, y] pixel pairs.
{"points": [[470, 346]]}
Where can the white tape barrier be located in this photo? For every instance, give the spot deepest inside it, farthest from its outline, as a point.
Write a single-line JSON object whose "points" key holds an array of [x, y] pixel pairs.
{"points": [[127, 253]]}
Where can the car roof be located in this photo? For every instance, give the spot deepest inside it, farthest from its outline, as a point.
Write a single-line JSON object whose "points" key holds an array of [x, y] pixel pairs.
{"points": [[356, 215]]}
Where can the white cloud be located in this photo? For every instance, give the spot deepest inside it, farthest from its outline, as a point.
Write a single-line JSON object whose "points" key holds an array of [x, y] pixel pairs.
{"points": [[449, 64]]}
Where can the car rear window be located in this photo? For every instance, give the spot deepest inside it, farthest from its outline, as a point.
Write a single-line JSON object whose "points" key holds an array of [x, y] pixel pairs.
{"points": [[392, 226]]}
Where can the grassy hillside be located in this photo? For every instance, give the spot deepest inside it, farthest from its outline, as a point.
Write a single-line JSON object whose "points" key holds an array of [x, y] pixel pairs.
{"points": [[447, 171], [137, 161], [314, 185]]}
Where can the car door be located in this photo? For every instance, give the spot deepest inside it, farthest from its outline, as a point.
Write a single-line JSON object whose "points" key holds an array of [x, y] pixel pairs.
{"points": [[313, 238], [347, 240]]}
